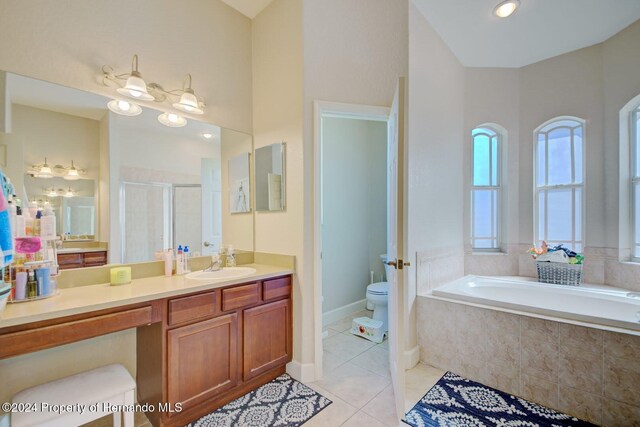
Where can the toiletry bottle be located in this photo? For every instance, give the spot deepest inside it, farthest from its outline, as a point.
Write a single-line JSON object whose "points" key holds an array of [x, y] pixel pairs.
{"points": [[179, 261], [36, 223], [168, 262], [231, 257], [186, 254], [32, 285], [48, 224]]}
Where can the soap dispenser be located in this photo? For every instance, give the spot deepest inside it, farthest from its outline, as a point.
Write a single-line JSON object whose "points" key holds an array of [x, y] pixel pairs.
{"points": [[231, 257]]}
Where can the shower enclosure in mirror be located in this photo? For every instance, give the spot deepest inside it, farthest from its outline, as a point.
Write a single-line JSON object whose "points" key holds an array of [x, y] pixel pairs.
{"points": [[142, 187], [270, 177]]}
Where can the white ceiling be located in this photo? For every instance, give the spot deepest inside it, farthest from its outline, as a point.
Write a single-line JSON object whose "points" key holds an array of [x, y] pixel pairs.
{"points": [[249, 8], [538, 30]]}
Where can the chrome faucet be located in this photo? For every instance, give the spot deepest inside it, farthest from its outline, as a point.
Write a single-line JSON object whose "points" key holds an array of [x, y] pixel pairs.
{"points": [[215, 263]]}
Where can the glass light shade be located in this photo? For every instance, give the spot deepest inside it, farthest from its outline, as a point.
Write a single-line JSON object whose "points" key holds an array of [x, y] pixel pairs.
{"points": [[135, 88], [52, 193], [69, 193], [172, 120], [188, 103], [506, 8], [124, 108], [73, 174], [45, 171]]}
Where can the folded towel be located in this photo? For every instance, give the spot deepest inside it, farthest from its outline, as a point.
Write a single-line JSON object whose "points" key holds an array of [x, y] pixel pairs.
{"points": [[6, 239]]}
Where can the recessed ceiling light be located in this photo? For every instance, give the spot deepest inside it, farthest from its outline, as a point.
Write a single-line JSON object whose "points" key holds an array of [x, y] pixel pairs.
{"points": [[506, 8], [207, 135]]}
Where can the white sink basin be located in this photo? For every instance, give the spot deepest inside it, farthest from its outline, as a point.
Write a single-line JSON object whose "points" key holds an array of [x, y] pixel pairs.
{"points": [[222, 274]]}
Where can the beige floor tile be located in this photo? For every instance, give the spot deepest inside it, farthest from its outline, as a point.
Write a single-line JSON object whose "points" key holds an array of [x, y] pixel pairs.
{"points": [[333, 415], [355, 385], [418, 380], [346, 345], [376, 360], [341, 325], [330, 332], [384, 344], [330, 361], [361, 419], [383, 407]]}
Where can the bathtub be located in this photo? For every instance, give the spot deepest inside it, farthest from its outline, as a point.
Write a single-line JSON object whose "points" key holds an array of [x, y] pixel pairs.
{"points": [[602, 307]]}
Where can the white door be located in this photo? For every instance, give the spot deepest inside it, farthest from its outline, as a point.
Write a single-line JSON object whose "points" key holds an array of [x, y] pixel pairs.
{"points": [[395, 224], [211, 181]]}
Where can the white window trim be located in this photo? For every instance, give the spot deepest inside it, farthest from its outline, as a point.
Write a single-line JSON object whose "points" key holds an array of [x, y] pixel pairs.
{"points": [[545, 188], [497, 224]]}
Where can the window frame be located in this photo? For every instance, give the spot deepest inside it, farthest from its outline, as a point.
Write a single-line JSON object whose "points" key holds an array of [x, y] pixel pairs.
{"points": [[546, 188], [634, 179], [496, 226]]}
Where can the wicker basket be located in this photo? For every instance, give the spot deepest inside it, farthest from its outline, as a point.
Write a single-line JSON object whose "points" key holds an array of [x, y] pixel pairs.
{"points": [[559, 273]]}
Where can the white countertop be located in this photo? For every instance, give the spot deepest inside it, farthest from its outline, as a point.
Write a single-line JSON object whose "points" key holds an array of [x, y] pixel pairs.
{"points": [[84, 299]]}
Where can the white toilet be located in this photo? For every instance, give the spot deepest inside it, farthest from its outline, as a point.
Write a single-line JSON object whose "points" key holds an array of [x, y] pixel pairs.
{"points": [[378, 297]]}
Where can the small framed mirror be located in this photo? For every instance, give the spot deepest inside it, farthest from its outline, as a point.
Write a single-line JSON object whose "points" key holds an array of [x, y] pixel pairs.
{"points": [[270, 177]]}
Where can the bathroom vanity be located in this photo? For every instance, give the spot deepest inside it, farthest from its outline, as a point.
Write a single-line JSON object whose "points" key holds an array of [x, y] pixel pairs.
{"points": [[199, 345]]}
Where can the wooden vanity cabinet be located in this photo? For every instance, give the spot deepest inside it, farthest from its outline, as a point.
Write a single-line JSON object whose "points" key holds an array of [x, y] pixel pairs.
{"points": [[213, 347], [81, 259]]}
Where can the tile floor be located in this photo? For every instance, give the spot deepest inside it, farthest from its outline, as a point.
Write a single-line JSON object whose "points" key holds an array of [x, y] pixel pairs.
{"points": [[356, 378]]}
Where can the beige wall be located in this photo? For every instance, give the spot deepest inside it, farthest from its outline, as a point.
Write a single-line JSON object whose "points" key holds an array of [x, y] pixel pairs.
{"points": [[68, 41], [277, 113], [593, 83], [436, 83], [354, 208]]}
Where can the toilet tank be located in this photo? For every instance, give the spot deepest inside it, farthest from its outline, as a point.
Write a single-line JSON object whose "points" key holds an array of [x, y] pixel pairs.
{"points": [[387, 268]]}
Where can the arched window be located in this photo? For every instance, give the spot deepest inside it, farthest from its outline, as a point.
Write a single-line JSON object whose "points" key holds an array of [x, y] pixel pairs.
{"points": [[559, 183], [485, 189], [635, 181]]}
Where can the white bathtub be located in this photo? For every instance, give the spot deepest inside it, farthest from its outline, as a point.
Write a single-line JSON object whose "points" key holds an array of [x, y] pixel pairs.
{"points": [[600, 306]]}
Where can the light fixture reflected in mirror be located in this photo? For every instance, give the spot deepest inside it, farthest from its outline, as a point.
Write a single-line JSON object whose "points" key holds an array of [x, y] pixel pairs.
{"points": [[72, 174], [69, 193], [207, 135], [135, 87], [506, 8], [124, 108], [44, 171], [172, 120]]}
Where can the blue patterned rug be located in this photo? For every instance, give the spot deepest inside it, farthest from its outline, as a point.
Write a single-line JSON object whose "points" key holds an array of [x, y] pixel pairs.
{"points": [[282, 402], [456, 401]]}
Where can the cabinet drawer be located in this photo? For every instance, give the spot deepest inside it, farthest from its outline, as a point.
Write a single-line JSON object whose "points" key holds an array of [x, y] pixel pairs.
{"points": [[240, 296], [184, 309], [276, 288], [95, 258], [65, 259]]}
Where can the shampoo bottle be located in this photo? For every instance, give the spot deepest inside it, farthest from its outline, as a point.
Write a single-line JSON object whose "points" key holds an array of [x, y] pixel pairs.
{"points": [[185, 258]]}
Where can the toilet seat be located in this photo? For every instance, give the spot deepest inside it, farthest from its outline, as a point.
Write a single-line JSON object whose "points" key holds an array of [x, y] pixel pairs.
{"points": [[380, 288]]}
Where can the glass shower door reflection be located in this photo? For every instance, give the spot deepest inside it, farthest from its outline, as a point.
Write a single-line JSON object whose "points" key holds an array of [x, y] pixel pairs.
{"points": [[146, 217]]}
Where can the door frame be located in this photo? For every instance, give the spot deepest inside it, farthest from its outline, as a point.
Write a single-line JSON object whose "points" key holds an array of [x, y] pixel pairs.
{"points": [[330, 110]]}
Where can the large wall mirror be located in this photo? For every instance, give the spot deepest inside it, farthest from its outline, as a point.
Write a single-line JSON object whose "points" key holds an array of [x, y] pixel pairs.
{"points": [[129, 183]]}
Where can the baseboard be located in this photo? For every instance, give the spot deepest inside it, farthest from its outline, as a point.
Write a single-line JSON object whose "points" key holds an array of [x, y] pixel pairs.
{"points": [[411, 357], [303, 372], [342, 312]]}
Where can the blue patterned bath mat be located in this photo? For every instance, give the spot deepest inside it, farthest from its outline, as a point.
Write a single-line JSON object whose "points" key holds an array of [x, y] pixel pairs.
{"points": [[456, 401], [282, 402]]}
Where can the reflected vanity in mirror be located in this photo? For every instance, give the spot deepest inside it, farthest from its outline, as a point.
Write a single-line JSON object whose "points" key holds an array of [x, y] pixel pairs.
{"points": [[270, 177], [143, 187]]}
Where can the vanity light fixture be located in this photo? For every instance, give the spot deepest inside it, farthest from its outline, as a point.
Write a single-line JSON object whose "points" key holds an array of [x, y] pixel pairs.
{"points": [[506, 8], [124, 108], [45, 171], [72, 174], [69, 193], [172, 120], [135, 87], [52, 193]]}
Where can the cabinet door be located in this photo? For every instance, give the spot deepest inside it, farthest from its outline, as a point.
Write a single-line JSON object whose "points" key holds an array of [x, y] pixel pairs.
{"points": [[203, 359], [267, 337]]}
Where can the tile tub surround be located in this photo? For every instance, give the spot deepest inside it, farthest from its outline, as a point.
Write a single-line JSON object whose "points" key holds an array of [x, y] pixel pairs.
{"points": [[586, 372]]}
